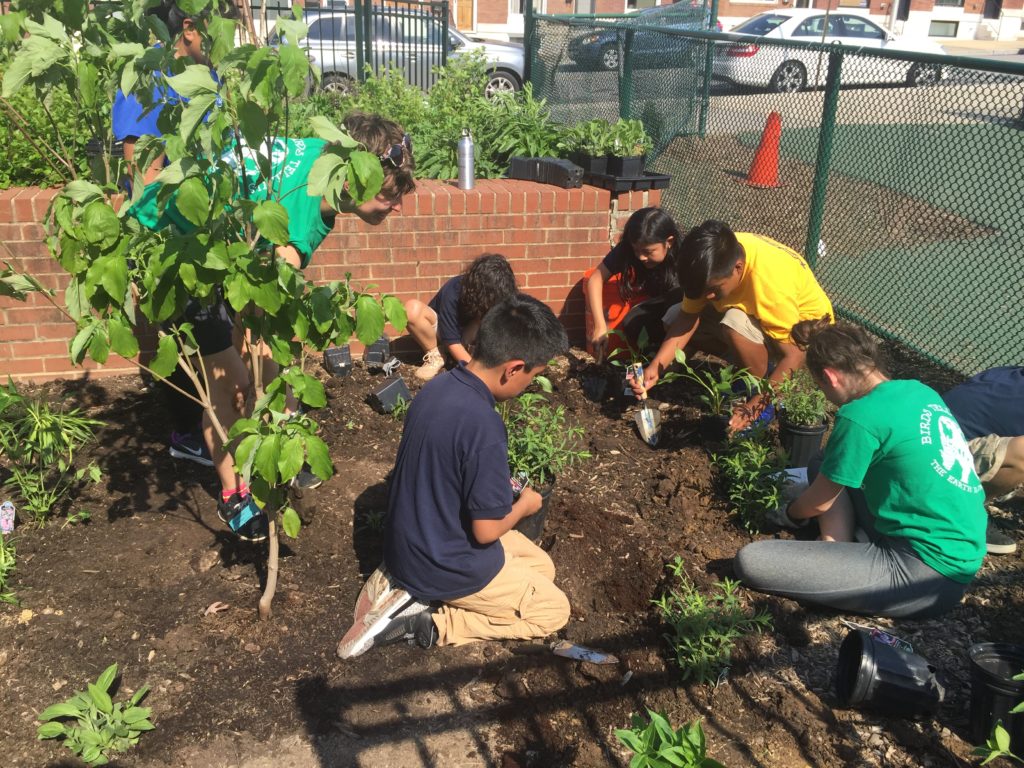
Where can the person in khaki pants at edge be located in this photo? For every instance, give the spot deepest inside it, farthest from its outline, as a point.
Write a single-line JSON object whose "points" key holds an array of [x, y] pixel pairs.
{"points": [[454, 570]]}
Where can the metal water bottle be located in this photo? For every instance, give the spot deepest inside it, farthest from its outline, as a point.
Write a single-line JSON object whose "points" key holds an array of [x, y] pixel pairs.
{"points": [[467, 161]]}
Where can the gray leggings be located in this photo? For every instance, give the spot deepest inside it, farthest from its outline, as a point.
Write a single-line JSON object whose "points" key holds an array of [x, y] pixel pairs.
{"points": [[883, 577]]}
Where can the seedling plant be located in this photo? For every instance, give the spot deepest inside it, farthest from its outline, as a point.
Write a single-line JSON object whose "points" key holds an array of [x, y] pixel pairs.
{"points": [[802, 401], [753, 473], [541, 442], [704, 629], [92, 725], [655, 744], [720, 389], [38, 444], [7, 562]]}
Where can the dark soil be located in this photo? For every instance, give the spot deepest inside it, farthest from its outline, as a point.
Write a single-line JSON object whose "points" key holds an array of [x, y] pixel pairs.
{"points": [[131, 586]]}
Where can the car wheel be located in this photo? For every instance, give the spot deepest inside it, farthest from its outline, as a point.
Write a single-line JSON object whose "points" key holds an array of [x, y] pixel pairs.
{"points": [[924, 74], [610, 57], [338, 84], [790, 77], [502, 82]]}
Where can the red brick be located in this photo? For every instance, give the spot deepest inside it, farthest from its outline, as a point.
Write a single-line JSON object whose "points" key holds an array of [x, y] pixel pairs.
{"points": [[27, 250], [17, 332], [457, 201], [28, 365], [30, 349], [548, 279], [435, 239], [395, 271], [420, 286], [32, 315], [442, 201], [524, 235], [472, 197], [485, 237]]}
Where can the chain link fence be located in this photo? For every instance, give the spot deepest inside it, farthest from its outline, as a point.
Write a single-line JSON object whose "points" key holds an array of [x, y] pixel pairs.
{"points": [[900, 175]]}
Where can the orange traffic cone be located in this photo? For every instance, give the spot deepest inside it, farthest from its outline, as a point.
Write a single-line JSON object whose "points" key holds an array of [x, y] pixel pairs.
{"points": [[764, 171]]}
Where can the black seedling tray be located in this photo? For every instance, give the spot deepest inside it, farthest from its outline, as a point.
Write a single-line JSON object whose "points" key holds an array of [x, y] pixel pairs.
{"points": [[626, 183]]}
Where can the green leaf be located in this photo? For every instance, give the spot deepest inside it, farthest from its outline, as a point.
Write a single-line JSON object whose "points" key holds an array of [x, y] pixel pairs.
{"points": [[1002, 738], [309, 390], [64, 709], [292, 456], [166, 358], [193, 7], [272, 220], [365, 176], [50, 731], [268, 455], [106, 679], [100, 698], [394, 311], [100, 224], [326, 173], [80, 342], [369, 319], [290, 522], [113, 277], [194, 113], [194, 82], [133, 715], [253, 122], [16, 74], [193, 201], [328, 131], [318, 458], [222, 33], [294, 69], [82, 191], [99, 346]]}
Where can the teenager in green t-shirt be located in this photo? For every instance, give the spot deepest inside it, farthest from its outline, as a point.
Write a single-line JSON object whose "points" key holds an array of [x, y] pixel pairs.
{"points": [[896, 467], [311, 219]]}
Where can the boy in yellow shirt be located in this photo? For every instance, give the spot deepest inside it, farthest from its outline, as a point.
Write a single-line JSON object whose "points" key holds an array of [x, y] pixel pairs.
{"points": [[759, 289]]}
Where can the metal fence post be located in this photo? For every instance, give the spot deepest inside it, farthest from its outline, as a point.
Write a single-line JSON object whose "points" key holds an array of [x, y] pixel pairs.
{"points": [[360, 14], [821, 166], [709, 61], [445, 10], [626, 76], [529, 33]]}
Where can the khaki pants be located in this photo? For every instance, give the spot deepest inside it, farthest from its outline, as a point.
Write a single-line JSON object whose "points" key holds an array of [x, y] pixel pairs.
{"points": [[520, 603]]}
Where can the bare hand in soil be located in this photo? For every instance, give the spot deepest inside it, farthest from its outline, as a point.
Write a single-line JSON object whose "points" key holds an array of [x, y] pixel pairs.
{"points": [[743, 416], [531, 501], [650, 379], [599, 343]]}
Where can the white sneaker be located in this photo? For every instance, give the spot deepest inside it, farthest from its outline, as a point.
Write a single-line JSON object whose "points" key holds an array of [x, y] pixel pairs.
{"points": [[433, 364], [379, 603]]}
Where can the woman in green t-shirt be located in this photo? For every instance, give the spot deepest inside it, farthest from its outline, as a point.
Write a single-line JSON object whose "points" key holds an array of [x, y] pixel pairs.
{"points": [[898, 504]]}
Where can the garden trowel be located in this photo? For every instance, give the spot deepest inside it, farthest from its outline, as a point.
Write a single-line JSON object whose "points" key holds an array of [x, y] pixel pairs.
{"points": [[648, 420]]}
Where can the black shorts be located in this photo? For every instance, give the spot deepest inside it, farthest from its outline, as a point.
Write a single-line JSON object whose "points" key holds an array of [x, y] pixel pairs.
{"points": [[212, 325]]}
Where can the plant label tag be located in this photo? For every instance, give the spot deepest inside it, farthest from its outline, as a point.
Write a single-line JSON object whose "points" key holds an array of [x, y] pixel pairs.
{"points": [[7, 517], [580, 653]]}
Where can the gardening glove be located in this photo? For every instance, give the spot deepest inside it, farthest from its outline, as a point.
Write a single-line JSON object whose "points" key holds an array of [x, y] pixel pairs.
{"points": [[796, 483]]}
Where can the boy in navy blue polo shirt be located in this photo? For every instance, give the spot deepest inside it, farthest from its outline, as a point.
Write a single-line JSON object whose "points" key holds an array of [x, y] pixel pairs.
{"points": [[449, 538]]}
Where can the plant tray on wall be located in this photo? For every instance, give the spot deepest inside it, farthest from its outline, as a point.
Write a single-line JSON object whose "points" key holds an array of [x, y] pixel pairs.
{"points": [[627, 183]]}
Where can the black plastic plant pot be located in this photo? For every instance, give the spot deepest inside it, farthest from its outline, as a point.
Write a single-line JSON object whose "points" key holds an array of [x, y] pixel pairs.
{"points": [[378, 353], [385, 396], [801, 443], [875, 676], [590, 163], [626, 166], [338, 361], [532, 527], [714, 428], [994, 692]]}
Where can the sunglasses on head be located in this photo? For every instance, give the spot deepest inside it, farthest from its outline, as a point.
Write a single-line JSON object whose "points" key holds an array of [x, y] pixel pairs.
{"points": [[395, 154]]}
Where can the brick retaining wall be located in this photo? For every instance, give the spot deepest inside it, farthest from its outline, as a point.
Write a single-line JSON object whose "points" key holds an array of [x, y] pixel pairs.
{"points": [[549, 235]]}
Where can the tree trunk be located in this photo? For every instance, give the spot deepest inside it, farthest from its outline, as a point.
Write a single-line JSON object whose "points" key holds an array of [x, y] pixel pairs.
{"points": [[268, 594]]}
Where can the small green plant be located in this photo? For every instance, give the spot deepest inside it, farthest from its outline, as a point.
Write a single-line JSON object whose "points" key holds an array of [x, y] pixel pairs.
{"points": [[401, 408], [655, 744], [718, 387], [638, 354], [39, 444], [592, 137], [81, 516], [752, 471], [629, 138], [373, 521], [7, 561], [998, 744], [703, 629], [541, 443], [802, 401], [93, 725]]}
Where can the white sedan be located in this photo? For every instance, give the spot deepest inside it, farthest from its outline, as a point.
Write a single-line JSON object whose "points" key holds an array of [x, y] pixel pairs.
{"points": [[785, 70]]}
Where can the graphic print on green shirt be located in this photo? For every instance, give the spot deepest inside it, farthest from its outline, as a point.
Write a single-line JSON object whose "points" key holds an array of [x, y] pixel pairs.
{"points": [[291, 161], [901, 445]]}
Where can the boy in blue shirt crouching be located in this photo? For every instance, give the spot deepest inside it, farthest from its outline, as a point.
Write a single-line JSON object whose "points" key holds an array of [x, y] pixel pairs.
{"points": [[448, 538]]}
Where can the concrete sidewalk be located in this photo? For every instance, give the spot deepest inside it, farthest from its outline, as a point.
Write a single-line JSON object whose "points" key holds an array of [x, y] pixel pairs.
{"points": [[984, 47]]}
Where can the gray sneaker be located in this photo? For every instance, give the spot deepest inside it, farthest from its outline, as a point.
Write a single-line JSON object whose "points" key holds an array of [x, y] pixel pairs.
{"points": [[387, 602], [306, 480], [997, 542]]}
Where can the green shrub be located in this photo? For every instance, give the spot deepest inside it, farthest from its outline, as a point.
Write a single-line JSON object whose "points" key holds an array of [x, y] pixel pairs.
{"points": [[752, 471], [93, 725], [998, 744], [38, 444], [802, 402], [703, 629], [541, 443], [656, 745]]}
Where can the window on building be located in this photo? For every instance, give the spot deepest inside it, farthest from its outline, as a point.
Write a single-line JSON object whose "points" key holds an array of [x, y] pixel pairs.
{"points": [[950, 3], [943, 28]]}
